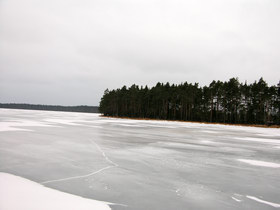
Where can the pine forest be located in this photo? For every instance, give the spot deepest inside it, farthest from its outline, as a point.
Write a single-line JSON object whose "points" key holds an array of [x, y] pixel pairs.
{"points": [[221, 102]]}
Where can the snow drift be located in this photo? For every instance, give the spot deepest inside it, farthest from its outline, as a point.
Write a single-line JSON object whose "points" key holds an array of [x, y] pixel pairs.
{"points": [[20, 193]]}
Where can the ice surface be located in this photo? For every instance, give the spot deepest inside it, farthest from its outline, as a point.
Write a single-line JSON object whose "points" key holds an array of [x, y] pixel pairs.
{"points": [[144, 164], [19, 193], [112, 164]]}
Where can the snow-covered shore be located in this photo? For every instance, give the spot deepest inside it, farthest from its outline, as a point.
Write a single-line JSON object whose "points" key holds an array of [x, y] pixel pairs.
{"points": [[20, 193]]}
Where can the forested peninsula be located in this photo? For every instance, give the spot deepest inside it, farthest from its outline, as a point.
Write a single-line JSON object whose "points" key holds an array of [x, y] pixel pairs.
{"points": [[220, 102]]}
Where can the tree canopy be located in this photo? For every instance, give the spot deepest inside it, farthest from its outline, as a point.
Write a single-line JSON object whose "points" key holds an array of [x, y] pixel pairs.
{"points": [[223, 102]]}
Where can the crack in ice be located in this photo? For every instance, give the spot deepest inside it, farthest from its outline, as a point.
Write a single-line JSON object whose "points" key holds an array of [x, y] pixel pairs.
{"points": [[77, 177], [104, 154], [90, 174]]}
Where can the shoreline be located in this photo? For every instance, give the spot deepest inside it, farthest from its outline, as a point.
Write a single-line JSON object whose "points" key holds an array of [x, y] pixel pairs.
{"points": [[210, 123]]}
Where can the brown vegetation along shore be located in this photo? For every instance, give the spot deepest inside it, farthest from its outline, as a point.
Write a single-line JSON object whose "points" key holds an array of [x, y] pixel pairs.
{"points": [[213, 123]]}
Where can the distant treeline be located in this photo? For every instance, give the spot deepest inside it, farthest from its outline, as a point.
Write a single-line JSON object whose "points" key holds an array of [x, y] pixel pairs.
{"points": [[222, 102], [90, 109]]}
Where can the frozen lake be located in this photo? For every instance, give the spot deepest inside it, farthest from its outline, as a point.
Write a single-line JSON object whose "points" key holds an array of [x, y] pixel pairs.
{"points": [[144, 165]]}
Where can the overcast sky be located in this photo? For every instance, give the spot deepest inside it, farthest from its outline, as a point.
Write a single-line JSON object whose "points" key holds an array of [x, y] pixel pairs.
{"points": [[68, 52]]}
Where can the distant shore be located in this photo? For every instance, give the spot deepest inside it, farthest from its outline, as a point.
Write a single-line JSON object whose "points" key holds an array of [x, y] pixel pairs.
{"points": [[211, 123], [42, 107]]}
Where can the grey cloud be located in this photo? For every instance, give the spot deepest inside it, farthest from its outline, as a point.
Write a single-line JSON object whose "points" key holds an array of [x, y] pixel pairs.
{"points": [[69, 52]]}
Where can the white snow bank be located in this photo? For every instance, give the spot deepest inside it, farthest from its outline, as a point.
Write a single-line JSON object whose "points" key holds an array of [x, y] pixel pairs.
{"points": [[260, 163], [20, 193]]}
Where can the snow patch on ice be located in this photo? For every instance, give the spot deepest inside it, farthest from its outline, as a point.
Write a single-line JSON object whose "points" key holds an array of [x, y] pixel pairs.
{"points": [[20, 193], [237, 200], [6, 127], [261, 140], [207, 142], [129, 125], [276, 205], [208, 131], [16, 125], [61, 121], [260, 163], [95, 126]]}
